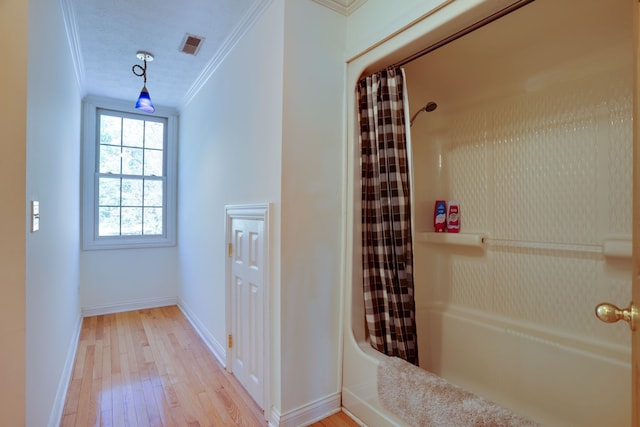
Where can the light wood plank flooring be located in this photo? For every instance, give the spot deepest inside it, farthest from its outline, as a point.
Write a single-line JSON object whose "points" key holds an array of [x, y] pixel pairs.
{"points": [[338, 420], [150, 368]]}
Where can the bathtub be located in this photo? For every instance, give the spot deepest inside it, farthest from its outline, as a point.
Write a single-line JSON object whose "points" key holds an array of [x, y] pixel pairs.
{"points": [[359, 391], [360, 367], [512, 365], [552, 377]]}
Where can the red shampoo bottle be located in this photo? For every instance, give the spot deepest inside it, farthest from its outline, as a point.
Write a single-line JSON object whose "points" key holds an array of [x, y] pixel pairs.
{"points": [[453, 217]]}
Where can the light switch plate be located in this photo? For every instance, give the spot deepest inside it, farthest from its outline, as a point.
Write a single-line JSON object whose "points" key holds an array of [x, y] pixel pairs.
{"points": [[35, 216]]}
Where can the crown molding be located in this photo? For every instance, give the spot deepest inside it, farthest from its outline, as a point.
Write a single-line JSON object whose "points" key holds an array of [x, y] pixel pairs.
{"points": [[241, 29], [71, 29], [344, 7]]}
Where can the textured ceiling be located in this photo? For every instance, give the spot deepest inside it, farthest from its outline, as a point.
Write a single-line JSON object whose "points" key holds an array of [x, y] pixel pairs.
{"points": [[106, 34]]}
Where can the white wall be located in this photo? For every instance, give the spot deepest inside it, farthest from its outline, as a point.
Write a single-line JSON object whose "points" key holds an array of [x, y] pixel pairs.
{"points": [[230, 150], [13, 84], [312, 203], [242, 142], [376, 20], [381, 33], [111, 279], [53, 162]]}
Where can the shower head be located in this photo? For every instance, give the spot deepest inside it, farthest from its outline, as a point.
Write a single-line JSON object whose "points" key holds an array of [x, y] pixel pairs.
{"points": [[428, 108]]}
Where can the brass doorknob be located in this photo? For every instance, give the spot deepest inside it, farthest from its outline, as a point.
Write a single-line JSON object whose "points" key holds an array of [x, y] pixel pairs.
{"points": [[609, 313]]}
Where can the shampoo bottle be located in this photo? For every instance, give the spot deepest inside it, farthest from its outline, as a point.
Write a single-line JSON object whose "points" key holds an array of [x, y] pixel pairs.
{"points": [[453, 217], [440, 216]]}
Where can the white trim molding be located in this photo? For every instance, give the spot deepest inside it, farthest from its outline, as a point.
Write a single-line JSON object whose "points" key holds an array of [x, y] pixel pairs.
{"points": [[55, 417], [309, 413], [218, 350], [343, 7], [74, 42], [226, 47], [89, 187], [98, 310]]}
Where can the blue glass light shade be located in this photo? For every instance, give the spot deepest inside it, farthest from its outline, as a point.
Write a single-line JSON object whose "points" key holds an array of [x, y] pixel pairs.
{"points": [[144, 101]]}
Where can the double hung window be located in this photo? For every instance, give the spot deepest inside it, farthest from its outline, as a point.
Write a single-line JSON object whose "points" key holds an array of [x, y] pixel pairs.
{"points": [[129, 179]]}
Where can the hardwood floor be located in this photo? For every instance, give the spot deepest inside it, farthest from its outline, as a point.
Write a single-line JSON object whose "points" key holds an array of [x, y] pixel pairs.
{"points": [[150, 368], [338, 420]]}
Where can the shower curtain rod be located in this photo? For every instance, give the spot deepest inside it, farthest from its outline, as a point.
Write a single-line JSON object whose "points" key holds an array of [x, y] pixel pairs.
{"points": [[497, 15]]}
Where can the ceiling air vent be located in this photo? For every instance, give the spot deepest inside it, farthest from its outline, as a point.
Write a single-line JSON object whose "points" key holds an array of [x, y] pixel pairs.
{"points": [[191, 44]]}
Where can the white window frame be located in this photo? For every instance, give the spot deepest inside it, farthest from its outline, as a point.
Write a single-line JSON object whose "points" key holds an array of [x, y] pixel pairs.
{"points": [[90, 238]]}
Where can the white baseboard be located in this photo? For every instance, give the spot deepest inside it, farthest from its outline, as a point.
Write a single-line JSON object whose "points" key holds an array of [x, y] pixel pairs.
{"points": [[55, 418], [354, 418], [98, 310], [274, 419], [217, 349], [309, 413]]}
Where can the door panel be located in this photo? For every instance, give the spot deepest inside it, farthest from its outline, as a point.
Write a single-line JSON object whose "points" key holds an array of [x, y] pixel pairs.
{"points": [[247, 302]]}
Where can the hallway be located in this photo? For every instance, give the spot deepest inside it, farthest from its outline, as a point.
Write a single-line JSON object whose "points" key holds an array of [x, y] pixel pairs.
{"points": [[150, 368]]}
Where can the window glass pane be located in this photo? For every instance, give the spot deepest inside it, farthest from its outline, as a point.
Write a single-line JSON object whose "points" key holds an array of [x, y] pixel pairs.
{"points": [[109, 222], [154, 135], [131, 192], [131, 221], [110, 130], [132, 132], [110, 158], [153, 221], [132, 161], [109, 191], [153, 163], [128, 188], [153, 192]]}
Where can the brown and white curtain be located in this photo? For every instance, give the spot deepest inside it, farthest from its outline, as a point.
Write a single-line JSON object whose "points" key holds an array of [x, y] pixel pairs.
{"points": [[386, 215]]}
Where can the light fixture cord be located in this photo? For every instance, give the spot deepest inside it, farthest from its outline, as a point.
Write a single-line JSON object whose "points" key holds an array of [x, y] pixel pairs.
{"points": [[143, 72]]}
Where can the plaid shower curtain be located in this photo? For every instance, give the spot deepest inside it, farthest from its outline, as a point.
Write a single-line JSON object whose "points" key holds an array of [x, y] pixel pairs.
{"points": [[386, 216]]}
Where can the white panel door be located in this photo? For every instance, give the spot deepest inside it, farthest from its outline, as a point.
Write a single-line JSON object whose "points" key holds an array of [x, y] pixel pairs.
{"points": [[247, 304]]}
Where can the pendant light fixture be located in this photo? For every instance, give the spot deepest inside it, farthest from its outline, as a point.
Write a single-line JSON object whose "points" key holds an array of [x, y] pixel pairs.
{"points": [[144, 100]]}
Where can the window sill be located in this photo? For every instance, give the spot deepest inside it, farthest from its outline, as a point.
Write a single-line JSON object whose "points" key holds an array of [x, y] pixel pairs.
{"points": [[125, 243]]}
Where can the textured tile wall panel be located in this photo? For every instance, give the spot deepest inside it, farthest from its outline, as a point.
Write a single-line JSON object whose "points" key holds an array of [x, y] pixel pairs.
{"points": [[552, 166]]}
